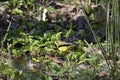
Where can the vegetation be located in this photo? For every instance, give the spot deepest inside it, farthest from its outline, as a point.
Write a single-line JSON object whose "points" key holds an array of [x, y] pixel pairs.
{"points": [[59, 40]]}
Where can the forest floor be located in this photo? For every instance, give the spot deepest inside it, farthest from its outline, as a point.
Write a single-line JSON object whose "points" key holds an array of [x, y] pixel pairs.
{"points": [[52, 42]]}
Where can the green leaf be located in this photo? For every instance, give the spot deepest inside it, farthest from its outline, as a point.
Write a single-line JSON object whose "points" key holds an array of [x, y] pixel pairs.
{"points": [[69, 33], [56, 36], [17, 11]]}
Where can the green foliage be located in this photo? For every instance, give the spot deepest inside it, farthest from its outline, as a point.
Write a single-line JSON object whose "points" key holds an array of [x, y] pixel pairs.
{"points": [[113, 36], [10, 72], [20, 6], [33, 43], [42, 45], [20, 48], [88, 8]]}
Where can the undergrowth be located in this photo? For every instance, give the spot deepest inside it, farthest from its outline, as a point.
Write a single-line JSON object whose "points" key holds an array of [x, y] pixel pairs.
{"points": [[30, 51]]}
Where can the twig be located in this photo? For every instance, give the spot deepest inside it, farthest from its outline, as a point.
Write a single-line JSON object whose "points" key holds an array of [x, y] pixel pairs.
{"points": [[5, 37]]}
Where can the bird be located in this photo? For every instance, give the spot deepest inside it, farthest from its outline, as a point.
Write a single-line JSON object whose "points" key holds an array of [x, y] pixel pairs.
{"points": [[64, 46]]}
